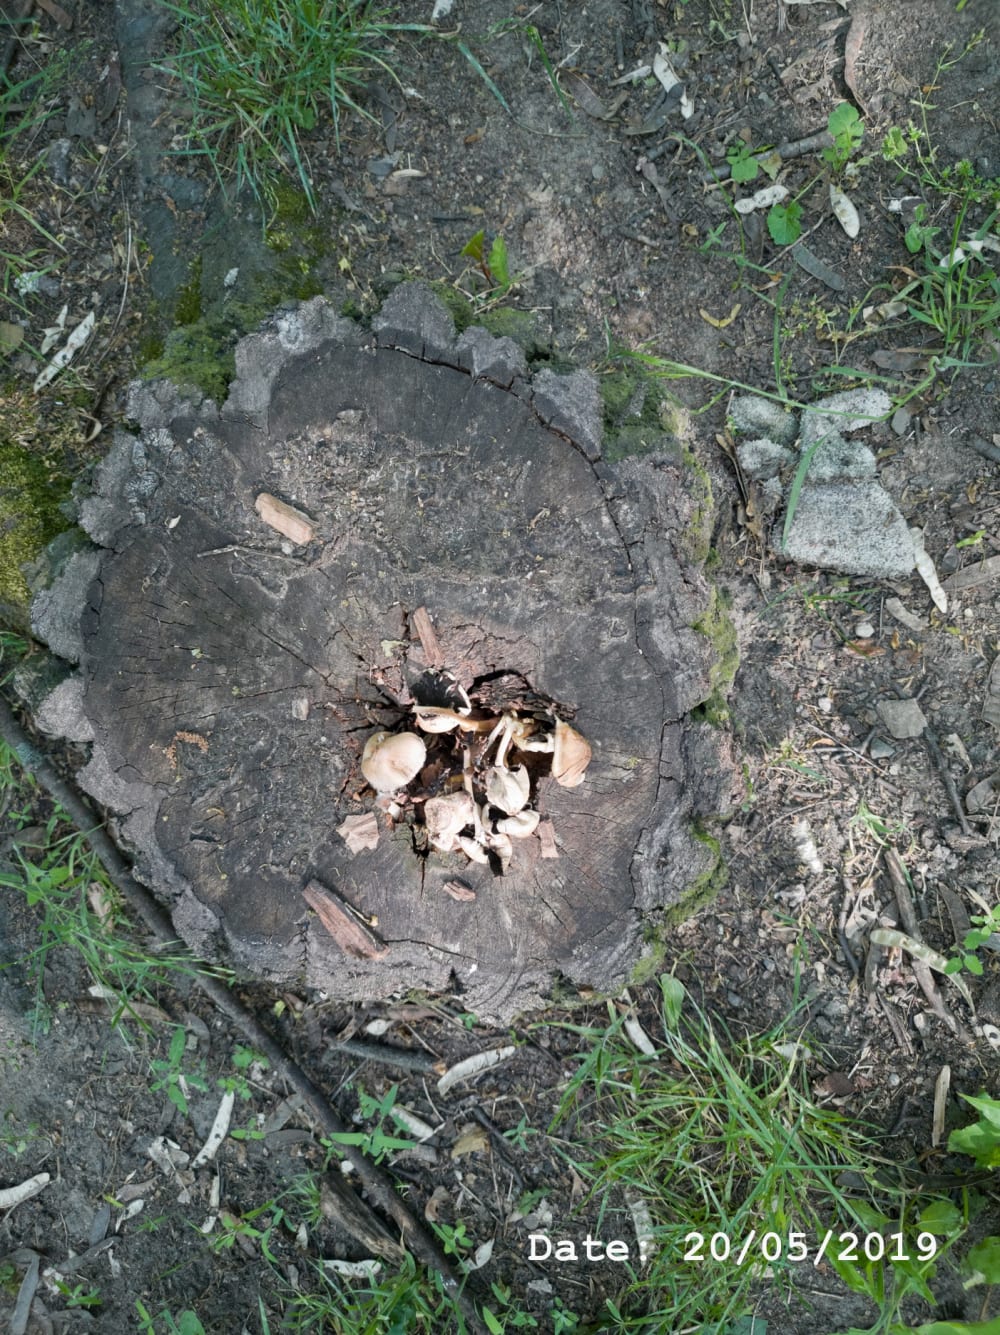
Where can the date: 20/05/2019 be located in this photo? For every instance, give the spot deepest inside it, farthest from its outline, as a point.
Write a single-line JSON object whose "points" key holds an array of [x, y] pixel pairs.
{"points": [[798, 1247]]}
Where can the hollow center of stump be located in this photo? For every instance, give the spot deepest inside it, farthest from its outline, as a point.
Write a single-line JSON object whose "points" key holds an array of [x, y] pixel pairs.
{"points": [[463, 768]]}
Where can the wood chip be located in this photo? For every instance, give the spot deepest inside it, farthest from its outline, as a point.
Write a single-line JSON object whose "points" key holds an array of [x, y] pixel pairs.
{"points": [[941, 1088], [285, 519], [547, 836], [460, 891], [420, 621], [359, 832], [344, 923]]}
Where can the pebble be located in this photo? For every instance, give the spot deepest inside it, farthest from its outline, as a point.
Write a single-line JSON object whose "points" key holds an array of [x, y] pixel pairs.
{"points": [[864, 630], [597, 172], [825, 704], [879, 749], [903, 718]]}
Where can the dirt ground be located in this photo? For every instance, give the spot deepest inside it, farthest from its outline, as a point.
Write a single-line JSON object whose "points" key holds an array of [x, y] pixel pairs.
{"points": [[615, 240]]}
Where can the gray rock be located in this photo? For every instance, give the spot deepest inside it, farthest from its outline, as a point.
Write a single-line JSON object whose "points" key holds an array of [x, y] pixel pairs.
{"points": [[840, 414], [840, 460], [415, 320], [763, 417], [880, 749], [762, 459], [903, 718], [571, 404], [850, 526]]}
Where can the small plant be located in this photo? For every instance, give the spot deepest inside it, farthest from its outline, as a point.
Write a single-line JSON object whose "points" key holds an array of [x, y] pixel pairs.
{"points": [[848, 130], [986, 924], [79, 1295], [492, 263], [784, 222], [981, 1140], [171, 1077], [378, 1142], [186, 1322]]}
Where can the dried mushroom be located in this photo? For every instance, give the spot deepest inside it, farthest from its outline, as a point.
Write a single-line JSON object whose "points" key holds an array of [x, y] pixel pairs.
{"points": [[571, 756], [469, 774]]}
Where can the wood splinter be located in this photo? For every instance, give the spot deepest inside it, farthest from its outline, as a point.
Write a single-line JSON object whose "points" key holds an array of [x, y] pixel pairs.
{"points": [[344, 924], [285, 519]]}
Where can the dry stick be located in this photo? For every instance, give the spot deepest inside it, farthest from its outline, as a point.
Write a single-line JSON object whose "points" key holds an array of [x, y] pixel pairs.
{"points": [[921, 971], [378, 1184], [934, 751]]}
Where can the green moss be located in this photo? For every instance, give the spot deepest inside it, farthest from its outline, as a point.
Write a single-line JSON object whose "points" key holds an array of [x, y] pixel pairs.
{"points": [[717, 626], [706, 886], [187, 309], [29, 518], [521, 327], [199, 355], [699, 532]]}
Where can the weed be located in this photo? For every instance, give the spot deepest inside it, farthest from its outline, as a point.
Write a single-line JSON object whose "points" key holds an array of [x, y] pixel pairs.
{"points": [[186, 1323], [493, 263], [986, 924], [719, 1138], [958, 294], [79, 1295], [378, 1142], [981, 1140], [847, 129], [172, 1078]]}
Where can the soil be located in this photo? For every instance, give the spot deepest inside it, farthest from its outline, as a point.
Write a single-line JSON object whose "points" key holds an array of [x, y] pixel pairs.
{"points": [[614, 240]]}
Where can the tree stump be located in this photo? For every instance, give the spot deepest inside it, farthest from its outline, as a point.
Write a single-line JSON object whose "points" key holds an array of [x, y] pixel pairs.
{"points": [[372, 523]]}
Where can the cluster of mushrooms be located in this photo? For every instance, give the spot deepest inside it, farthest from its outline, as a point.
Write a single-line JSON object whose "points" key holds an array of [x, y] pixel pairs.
{"points": [[476, 771]]}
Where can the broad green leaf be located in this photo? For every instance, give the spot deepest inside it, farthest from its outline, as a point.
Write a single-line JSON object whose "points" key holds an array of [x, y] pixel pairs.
{"points": [[940, 1218], [784, 222], [984, 1259]]}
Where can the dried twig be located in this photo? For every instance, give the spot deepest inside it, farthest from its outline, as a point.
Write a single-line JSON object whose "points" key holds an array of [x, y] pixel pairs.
{"points": [[934, 751]]}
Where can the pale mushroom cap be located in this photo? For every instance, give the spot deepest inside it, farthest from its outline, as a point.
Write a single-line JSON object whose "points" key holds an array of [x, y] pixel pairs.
{"points": [[390, 760], [446, 817]]}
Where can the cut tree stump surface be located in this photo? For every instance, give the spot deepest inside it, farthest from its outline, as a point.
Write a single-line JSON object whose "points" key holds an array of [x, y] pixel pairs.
{"points": [[237, 652]]}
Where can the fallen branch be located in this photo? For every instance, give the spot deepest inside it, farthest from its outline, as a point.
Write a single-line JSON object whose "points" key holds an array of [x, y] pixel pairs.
{"points": [[379, 1186]]}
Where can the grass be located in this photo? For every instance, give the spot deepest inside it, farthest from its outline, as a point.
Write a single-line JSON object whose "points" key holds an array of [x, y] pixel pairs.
{"points": [[261, 74], [722, 1142], [25, 106]]}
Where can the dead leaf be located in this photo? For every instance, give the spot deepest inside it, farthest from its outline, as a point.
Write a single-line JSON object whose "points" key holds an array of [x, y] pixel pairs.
{"points": [[435, 1201], [472, 1141], [852, 49], [835, 1084], [724, 320]]}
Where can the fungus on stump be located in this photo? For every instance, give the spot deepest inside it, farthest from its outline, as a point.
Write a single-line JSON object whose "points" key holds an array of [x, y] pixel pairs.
{"points": [[366, 523]]}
